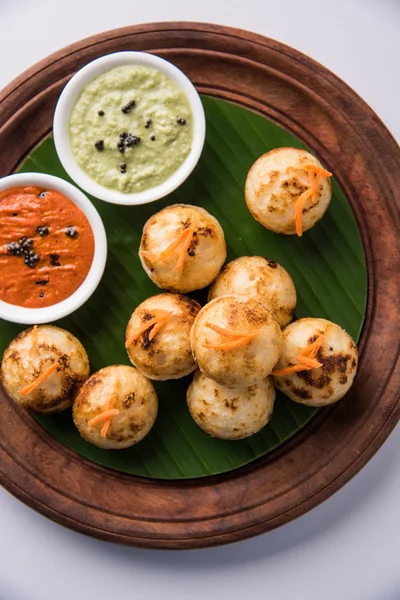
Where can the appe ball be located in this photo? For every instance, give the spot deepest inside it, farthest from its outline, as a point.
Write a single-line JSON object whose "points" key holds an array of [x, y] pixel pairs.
{"points": [[230, 413], [337, 354], [236, 341], [115, 408], [43, 368], [263, 280], [277, 180], [182, 248], [158, 336]]}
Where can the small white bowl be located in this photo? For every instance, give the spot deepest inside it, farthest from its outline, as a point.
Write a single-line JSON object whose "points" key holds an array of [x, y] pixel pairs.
{"points": [[67, 101], [34, 316]]}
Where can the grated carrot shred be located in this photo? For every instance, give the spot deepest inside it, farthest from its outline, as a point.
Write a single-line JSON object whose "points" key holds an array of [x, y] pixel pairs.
{"points": [[313, 172], [183, 252], [309, 362], [138, 332], [107, 418], [106, 414], [312, 349], [231, 334], [160, 317], [104, 429], [182, 242], [232, 344], [298, 210], [306, 359], [40, 379], [318, 170], [158, 326], [238, 338], [172, 247], [291, 369]]}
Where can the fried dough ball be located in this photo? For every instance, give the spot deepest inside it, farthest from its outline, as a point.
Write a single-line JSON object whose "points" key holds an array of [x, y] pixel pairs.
{"points": [[337, 354], [230, 413], [169, 318], [43, 368], [263, 280], [182, 248], [275, 183], [115, 408], [236, 342]]}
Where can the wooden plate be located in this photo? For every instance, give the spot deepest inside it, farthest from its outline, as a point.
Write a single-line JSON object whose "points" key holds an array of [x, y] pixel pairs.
{"points": [[330, 118]]}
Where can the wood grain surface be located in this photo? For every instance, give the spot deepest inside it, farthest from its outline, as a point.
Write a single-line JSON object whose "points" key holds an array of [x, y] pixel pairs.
{"points": [[343, 131]]}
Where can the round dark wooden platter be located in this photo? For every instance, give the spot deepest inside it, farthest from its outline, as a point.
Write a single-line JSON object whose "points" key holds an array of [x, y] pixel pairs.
{"points": [[313, 104]]}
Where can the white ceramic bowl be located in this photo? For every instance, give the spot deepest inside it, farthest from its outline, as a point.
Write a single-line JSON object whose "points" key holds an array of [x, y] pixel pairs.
{"points": [[67, 101], [33, 316]]}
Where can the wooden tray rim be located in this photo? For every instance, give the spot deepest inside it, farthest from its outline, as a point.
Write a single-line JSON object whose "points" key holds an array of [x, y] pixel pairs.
{"points": [[14, 474]]}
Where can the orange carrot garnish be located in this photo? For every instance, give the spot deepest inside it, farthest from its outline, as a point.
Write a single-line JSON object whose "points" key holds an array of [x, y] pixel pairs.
{"points": [[111, 412], [104, 429], [182, 242], [238, 338], [298, 210], [158, 326], [183, 251], [313, 172], [40, 379], [166, 252], [305, 360], [318, 170], [160, 316], [138, 332], [309, 362], [107, 418], [172, 247], [312, 349], [234, 335], [291, 369], [232, 344]]}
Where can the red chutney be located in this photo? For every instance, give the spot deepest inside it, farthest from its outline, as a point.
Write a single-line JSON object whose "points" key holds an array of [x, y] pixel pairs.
{"points": [[46, 247]]}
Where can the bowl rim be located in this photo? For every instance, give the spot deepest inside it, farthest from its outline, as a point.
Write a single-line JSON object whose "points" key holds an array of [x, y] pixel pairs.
{"points": [[68, 98], [35, 316]]}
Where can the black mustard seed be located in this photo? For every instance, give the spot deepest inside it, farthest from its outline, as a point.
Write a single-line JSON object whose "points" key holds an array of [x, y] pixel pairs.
{"points": [[71, 232], [128, 107], [54, 260], [132, 140], [42, 231]]}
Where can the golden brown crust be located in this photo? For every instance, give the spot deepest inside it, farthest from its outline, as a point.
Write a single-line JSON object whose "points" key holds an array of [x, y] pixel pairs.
{"points": [[168, 354], [259, 278], [204, 256], [230, 413], [243, 365], [338, 356], [30, 354], [274, 183], [130, 393]]}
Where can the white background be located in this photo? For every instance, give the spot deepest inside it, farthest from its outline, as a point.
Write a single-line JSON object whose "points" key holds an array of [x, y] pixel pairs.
{"points": [[346, 549]]}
